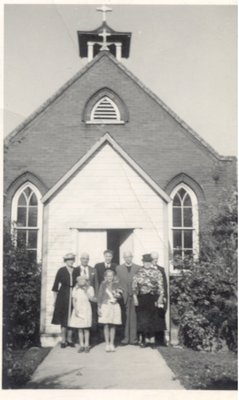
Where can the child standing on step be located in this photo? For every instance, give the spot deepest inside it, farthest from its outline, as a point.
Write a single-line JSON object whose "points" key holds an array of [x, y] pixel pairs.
{"points": [[108, 307], [81, 316]]}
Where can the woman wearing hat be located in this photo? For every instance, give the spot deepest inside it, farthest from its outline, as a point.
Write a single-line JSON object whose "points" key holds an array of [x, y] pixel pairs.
{"points": [[148, 295], [64, 282]]}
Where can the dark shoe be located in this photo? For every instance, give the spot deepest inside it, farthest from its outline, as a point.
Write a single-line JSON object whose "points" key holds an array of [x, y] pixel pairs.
{"points": [[81, 350], [143, 345], [63, 345], [87, 349], [134, 343], [71, 344], [163, 344], [153, 345], [124, 342]]}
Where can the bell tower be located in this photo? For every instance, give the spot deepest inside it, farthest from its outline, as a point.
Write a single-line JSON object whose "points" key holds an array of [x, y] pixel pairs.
{"points": [[104, 38]]}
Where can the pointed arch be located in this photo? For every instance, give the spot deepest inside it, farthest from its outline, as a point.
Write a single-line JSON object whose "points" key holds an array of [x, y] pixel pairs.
{"points": [[20, 180], [26, 219], [105, 107], [183, 223], [187, 180]]}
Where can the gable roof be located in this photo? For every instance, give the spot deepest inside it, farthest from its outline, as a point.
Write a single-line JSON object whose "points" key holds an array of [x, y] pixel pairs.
{"points": [[11, 136], [99, 144]]}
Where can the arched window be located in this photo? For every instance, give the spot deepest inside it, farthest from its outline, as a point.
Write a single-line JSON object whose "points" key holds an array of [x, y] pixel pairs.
{"points": [[105, 111], [184, 222], [105, 107], [27, 219]]}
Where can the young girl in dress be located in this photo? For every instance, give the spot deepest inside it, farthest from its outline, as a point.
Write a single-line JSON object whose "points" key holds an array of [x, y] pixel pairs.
{"points": [[81, 316], [108, 307]]}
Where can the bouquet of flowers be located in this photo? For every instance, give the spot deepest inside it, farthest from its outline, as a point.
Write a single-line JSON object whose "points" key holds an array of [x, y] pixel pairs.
{"points": [[117, 293], [114, 295]]}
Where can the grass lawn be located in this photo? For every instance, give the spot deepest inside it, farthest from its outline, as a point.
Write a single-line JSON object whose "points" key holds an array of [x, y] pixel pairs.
{"points": [[202, 370], [19, 365]]}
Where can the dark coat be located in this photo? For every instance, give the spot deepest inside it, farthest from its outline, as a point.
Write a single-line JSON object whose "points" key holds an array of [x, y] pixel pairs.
{"points": [[160, 312], [99, 273], [91, 275], [128, 311], [63, 285]]}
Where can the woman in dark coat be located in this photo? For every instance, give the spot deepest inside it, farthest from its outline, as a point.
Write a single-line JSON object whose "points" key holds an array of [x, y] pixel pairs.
{"points": [[148, 294], [64, 282]]}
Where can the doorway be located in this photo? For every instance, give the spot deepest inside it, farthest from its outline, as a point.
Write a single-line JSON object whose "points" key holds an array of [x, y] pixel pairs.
{"points": [[119, 240], [95, 241]]}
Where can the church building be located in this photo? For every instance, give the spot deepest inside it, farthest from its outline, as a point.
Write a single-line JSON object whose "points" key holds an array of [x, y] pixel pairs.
{"points": [[104, 163]]}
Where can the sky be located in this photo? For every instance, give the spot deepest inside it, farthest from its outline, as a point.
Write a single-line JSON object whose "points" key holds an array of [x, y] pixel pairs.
{"points": [[187, 55]]}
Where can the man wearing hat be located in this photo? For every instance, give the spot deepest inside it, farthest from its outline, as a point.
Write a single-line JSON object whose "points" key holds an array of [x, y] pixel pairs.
{"points": [[64, 282]]}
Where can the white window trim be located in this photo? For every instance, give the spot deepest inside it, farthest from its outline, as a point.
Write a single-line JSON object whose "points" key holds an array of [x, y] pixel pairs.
{"points": [[39, 214], [195, 222], [105, 121]]}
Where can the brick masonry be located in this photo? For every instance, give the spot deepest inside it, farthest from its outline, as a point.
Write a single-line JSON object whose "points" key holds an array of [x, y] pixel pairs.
{"points": [[44, 149], [57, 137]]}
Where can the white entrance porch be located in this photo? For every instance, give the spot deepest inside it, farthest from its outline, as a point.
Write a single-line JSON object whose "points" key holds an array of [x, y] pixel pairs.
{"points": [[106, 201]]}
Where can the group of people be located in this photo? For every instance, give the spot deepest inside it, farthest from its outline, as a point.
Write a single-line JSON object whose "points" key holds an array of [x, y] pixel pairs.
{"points": [[110, 295]]}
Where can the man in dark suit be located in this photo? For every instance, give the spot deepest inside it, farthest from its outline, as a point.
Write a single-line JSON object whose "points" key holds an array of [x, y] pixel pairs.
{"points": [[85, 270], [100, 268], [161, 324], [125, 273]]}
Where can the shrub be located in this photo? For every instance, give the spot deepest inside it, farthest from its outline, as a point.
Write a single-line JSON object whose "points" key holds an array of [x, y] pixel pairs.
{"points": [[21, 296], [204, 294], [205, 307], [219, 239]]}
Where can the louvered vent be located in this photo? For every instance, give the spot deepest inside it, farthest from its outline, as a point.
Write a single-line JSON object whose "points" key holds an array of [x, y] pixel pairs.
{"points": [[105, 110]]}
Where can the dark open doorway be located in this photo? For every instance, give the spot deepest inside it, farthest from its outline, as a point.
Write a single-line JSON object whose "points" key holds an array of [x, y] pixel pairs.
{"points": [[115, 240]]}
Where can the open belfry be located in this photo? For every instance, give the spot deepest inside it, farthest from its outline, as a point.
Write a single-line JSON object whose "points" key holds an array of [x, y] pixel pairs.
{"points": [[106, 164]]}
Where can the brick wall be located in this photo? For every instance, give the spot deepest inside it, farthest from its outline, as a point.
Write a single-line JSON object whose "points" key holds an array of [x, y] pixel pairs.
{"points": [[57, 138]]}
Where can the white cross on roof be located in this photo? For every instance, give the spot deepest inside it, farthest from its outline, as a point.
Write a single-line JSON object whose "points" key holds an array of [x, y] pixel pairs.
{"points": [[104, 44], [104, 9]]}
